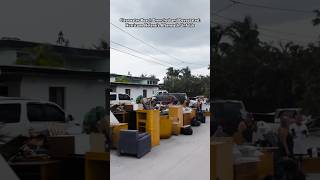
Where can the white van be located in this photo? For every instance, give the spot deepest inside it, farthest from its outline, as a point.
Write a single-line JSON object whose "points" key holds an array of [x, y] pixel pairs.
{"points": [[19, 115], [120, 98]]}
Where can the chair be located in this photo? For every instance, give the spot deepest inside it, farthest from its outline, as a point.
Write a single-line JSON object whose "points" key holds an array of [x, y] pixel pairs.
{"points": [[134, 143]]}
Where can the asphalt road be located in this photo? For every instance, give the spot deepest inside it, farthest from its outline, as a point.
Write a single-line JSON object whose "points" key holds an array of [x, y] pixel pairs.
{"points": [[178, 158]]}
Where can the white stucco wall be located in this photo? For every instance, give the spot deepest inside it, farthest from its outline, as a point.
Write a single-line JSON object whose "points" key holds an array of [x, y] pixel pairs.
{"points": [[137, 90], [80, 94]]}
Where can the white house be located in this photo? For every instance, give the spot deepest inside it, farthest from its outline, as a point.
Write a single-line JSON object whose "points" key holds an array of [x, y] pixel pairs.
{"points": [[134, 86], [77, 87]]}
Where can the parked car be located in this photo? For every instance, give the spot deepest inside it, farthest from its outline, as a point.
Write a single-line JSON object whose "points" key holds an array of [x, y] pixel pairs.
{"points": [[120, 98], [180, 96], [165, 99], [19, 115], [227, 114], [160, 92]]}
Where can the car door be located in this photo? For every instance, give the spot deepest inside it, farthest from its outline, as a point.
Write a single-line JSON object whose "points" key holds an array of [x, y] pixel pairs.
{"points": [[44, 115]]}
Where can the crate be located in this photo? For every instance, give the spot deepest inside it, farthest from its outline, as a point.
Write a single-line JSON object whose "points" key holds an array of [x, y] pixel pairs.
{"points": [[149, 121], [165, 127]]}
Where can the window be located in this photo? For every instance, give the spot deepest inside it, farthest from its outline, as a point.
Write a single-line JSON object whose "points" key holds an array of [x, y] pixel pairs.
{"points": [[144, 93], [128, 91], [10, 113], [44, 112], [35, 112], [53, 113], [4, 91], [124, 97], [113, 97], [57, 95]]}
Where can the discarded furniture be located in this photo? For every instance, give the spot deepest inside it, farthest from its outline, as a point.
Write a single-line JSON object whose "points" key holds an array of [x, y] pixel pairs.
{"points": [[149, 121], [97, 166], [311, 165], [121, 116], [176, 115], [221, 159], [266, 163], [246, 170], [187, 118], [134, 143], [115, 132], [165, 127], [41, 169], [176, 128], [132, 120]]}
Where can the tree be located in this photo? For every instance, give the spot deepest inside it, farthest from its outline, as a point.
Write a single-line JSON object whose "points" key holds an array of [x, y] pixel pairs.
{"points": [[41, 55], [102, 45]]}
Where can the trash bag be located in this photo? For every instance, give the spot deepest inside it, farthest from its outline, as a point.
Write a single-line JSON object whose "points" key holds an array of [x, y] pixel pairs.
{"points": [[186, 130]]}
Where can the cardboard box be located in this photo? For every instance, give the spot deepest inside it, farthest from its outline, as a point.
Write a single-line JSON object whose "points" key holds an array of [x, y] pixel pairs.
{"points": [[66, 145]]}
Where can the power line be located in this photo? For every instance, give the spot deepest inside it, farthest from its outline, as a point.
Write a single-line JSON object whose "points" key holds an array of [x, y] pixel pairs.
{"points": [[224, 8], [144, 59], [142, 41], [270, 7], [143, 53]]}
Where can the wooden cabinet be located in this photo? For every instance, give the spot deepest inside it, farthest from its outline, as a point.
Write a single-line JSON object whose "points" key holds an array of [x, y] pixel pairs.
{"points": [[149, 121], [97, 166], [165, 127], [115, 132]]}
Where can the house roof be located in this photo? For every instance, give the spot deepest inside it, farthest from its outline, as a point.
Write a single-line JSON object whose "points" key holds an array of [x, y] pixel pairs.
{"points": [[133, 84], [19, 70], [68, 51], [134, 77]]}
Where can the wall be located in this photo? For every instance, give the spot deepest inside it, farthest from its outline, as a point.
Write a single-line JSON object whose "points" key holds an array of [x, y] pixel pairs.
{"points": [[137, 90], [80, 94]]}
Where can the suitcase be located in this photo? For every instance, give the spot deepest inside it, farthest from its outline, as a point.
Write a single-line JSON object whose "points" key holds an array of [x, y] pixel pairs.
{"points": [[186, 130]]}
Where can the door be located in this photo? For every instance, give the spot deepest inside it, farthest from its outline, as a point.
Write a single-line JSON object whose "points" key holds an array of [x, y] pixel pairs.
{"points": [[44, 115]]}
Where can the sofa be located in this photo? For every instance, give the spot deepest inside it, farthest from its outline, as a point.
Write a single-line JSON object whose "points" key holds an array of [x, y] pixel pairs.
{"points": [[133, 142]]}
